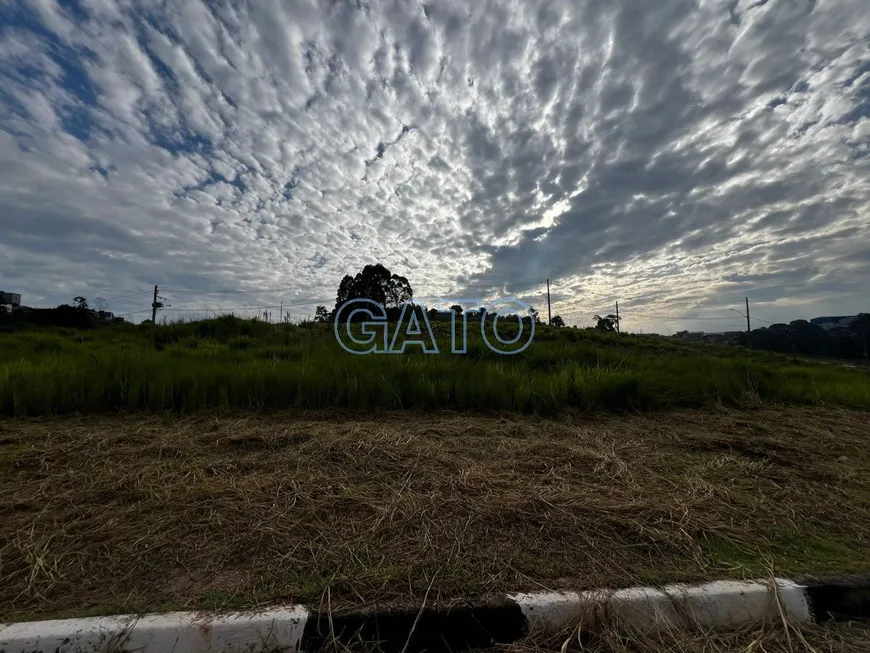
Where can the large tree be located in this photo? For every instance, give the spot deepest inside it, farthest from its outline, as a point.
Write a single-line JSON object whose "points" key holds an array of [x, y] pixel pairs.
{"points": [[321, 314], [398, 290], [807, 338], [861, 325], [377, 283], [606, 322]]}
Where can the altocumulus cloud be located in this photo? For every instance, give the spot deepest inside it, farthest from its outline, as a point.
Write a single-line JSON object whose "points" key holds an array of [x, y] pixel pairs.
{"points": [[673, 154]]}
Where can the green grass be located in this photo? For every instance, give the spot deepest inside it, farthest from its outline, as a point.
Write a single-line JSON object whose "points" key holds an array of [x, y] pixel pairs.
{"points": [[800, 553], [236, 363]]}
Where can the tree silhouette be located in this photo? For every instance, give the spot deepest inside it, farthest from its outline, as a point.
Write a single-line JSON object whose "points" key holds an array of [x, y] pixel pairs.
{"points": [[345, 291], [861, 325], [605, 323], [81, 303], [558, 321], [377, 283], [398, 290], [807, 338], [321, 314]]}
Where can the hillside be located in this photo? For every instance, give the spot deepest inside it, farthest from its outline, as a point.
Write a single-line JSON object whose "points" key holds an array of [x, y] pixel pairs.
{"points": [[235, 363]]}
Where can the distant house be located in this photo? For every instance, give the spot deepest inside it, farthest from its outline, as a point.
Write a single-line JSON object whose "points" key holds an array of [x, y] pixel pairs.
{"points": [[104, 316], [834, 322], [10, 301], [696, 336], [727, 337]]}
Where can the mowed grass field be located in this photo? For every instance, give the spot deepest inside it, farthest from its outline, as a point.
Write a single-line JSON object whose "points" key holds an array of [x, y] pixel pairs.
{"points": [[234, 363], [229, 463], [344, 509]]}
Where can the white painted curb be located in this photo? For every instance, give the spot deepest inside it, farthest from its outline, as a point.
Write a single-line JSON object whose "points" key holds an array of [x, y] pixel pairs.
{"points": [[720, 603], [296, 629], [174, 632]]}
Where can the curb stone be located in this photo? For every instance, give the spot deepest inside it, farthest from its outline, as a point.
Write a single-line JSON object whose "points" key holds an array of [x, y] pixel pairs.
{"points": [[844, 598], [298, 629]]}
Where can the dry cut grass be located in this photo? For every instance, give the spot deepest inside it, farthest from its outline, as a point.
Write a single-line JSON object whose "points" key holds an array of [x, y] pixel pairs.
{"points": [[769, 638], [142, 512]]}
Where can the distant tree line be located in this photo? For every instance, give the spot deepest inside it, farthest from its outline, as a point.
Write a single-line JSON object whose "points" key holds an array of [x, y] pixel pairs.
{"points": [[802, 337], [77, 316]]}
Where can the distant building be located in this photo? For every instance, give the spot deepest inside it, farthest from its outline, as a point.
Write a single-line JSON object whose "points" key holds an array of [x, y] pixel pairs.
{"points": [[105, 316], [834, 322], [696, 336], [10, 300], [726, 337]]}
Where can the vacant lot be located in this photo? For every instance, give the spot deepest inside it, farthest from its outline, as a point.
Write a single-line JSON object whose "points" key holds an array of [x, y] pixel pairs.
{"points": [[143, 512], [243, 364]]}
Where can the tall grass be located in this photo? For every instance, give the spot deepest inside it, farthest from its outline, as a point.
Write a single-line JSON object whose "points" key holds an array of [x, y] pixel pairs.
{"points": [[237, 363]]}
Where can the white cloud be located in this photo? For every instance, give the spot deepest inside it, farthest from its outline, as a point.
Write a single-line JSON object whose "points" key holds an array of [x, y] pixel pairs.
{"points": [[677, 158]]}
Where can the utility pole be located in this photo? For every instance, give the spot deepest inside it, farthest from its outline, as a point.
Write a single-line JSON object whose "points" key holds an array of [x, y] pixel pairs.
{"points": [[748, 327], [155, 306], [617, 316], [549, 311]]}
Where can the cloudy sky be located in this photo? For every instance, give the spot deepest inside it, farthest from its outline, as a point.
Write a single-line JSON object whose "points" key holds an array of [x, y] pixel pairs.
{"points": [[674, 155]]}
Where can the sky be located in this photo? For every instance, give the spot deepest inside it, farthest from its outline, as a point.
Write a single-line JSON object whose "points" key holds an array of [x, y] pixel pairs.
{"points": [[675, 156]]}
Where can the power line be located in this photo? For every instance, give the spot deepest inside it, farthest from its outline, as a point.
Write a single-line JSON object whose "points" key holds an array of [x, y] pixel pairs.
{"points": [[218, 308], [678, 317], [518, 287], [214, 291], [502, 282], [114, 299], [310, 302], [514, 286], [208, 292], [228, 290]]}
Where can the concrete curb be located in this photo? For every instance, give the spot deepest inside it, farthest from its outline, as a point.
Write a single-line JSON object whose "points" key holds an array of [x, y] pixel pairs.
{"points": [[298, 629], [174, 631]]}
